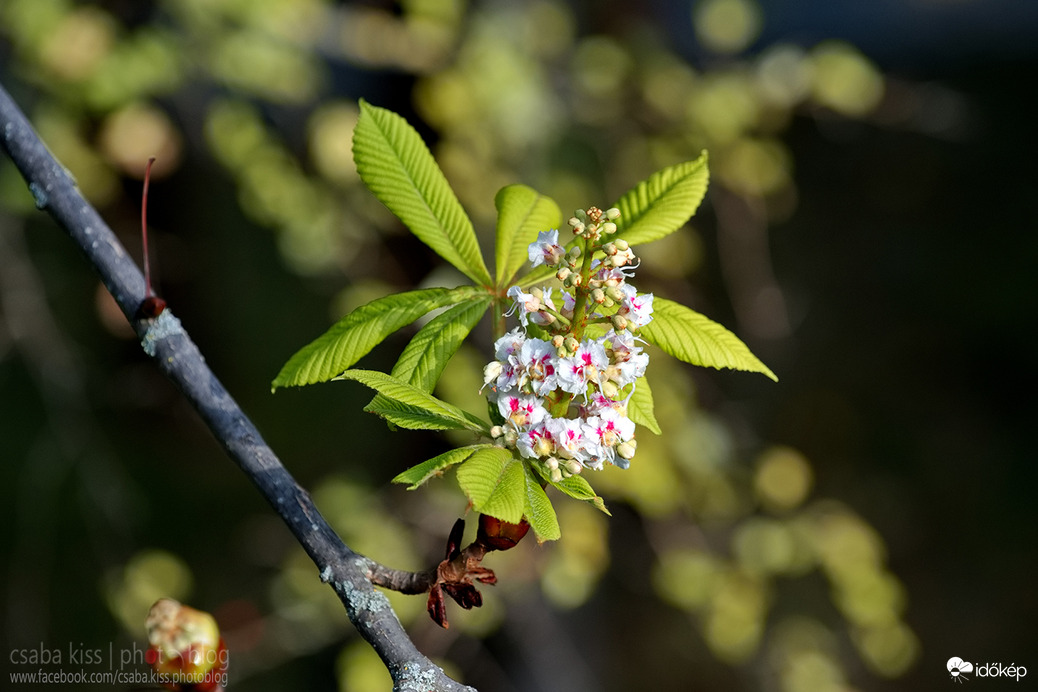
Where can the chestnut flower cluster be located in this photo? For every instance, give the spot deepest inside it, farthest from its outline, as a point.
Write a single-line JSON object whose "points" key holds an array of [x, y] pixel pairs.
{"points": [[563, 394]]}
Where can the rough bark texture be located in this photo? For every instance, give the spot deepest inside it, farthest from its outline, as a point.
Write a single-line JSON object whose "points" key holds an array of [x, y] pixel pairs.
{"points": [[165, 341]]}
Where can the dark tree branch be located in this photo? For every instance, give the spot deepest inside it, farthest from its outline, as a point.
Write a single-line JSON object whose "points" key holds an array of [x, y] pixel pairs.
{"points": [[165, 340]]}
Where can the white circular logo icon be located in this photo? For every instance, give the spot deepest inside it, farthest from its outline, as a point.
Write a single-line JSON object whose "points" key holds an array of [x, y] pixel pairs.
{"points": [[958, 668]]}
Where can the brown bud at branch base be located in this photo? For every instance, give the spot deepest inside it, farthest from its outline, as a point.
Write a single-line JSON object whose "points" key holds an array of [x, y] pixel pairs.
{"points": [[495, 534]]}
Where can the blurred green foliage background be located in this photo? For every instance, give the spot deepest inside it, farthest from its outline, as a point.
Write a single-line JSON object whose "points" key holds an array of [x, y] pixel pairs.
{"points": [[867, 232]]}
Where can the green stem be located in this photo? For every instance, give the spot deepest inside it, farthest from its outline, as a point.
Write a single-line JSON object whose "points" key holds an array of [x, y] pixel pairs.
{"points": [[582, 291]]}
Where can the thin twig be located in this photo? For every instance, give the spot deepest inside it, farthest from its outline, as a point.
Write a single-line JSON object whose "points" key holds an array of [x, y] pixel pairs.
{"points": [[173, 351]]}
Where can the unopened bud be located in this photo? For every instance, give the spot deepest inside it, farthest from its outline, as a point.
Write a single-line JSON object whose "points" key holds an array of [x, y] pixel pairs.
{"points": [[563, 273], [574, 467], [556, 475], [612, 213], [491, 371], [572, 344], [575, 252], [621, 244], [610, 249], [598, 295], [609, 228], [575, 280], [609, 389], [557, 341], [614, 293], [185, 644], [619, 322], [497, 431], [627, 449]]}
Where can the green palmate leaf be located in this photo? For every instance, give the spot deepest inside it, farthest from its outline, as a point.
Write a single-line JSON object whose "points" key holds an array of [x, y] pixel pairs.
{"points": [[349, 339], [420, 473], [397, 167], [494, 481], [660, 205], [427, 354], [411, 417], [522, 213], [696, 339], [576, 487], [640, 406], [415, 406], [538, 510]]}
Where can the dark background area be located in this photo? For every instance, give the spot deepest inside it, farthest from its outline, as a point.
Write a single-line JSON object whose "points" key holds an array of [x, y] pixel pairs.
{"points": [[907, 268]]}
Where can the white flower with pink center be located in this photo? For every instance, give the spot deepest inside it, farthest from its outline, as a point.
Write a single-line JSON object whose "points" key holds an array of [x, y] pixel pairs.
{"points": [[603, 433], [530, 306], [509, 344], [546, 250], [536, 365], [521, 409], [537, 442], [628, 361], [569, 440], [583, 367], [637, 308]]}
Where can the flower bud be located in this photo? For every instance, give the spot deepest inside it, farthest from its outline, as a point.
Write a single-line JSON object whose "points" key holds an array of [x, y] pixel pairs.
{"points": [[609, 228], [572, 344], [619, 322], [609, 389], [610, 249], [551, 463], [556, 475], [575, 252], [491, 371], [497, 431], [621, 244], [612, 213], [557, 341], [598, 295], [563, 273], [627, 449], [574, 467], [185, 644]]}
